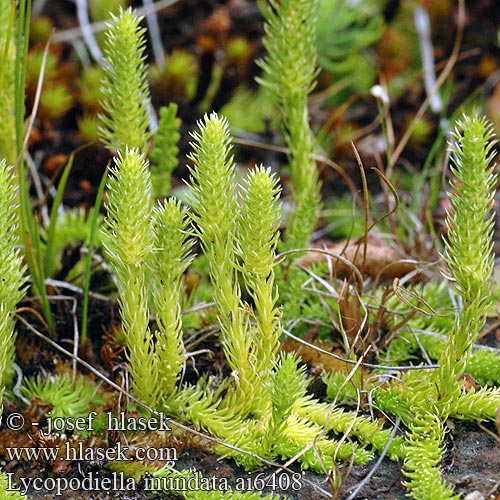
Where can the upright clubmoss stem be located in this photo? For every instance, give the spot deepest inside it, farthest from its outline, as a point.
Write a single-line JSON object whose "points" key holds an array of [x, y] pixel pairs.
{"points": [[128, 244], [214, 213], [171, 257], [257, 237], [125, 90], [7, 82], [469, 244], [289, 72], [11, 272]]}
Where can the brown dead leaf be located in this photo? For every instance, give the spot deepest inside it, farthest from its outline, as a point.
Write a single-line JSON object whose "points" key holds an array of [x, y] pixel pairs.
{"points": [[317, 360], [378, 261], [54, 163]]}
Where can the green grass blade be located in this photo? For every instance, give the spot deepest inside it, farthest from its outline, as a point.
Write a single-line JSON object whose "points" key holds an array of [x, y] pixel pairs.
{"points": [[51, 240]]}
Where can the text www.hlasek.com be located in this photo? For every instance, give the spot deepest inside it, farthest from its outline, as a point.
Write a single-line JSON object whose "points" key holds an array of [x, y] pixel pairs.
{"points": [[81, 453]]}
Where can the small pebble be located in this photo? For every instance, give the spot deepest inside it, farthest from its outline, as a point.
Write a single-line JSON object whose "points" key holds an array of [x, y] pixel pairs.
{"points": [[474, 495]]}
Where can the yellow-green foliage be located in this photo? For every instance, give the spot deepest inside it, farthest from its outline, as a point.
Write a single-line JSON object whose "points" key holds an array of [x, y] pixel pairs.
{"points": [[125, 91], [11, 272], [7, 56], [469, 245], [289, 72], [128, 243], [66, 398], [484, 366], [164, 155], [11, 289], [257, 239], [170, 259], [424, 449], [214, 213], [148, 251]]}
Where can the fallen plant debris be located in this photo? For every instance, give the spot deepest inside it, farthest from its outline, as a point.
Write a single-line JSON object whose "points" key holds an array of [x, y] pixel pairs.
{"points": [[195, 303], [371, 256]]}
